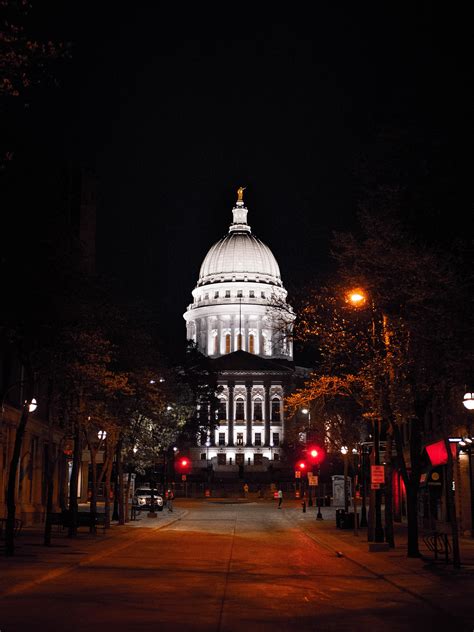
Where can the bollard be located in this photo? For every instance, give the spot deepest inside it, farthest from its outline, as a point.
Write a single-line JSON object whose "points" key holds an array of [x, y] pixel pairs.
{"points": [[303, 504]]}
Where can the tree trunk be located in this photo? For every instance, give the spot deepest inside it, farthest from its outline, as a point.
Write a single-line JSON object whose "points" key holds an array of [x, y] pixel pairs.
{"points": [[127, 494], [411, 486], [93, 500], [389, 534], [412, 516], [12, 476], [119, 485], [50, 467], [74, 482]]}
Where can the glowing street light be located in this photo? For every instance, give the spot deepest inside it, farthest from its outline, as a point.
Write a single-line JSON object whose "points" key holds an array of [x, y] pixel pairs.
{"points": [[33, 405], [468, 401], [102, 434]]}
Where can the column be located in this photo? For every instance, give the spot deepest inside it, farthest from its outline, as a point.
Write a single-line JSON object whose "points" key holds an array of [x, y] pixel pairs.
{"points": [[248, 416], [219, 336], [230, 421], [266, 414]]}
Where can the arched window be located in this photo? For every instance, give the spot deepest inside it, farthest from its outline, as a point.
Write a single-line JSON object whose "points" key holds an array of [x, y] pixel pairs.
{"points": [[222, 410], [252, 343], [239, 409], [239, 341], [227, 343], [257, 410], [216, 345], [275, 409]]}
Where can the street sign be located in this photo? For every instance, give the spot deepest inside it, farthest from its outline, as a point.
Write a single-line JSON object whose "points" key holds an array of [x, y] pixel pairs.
{"points": [[377, 474], [374, 485], [312, 480], [183, 477], [297, 474]]}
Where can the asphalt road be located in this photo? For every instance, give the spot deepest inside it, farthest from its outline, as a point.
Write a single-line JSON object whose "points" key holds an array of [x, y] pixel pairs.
{"points": [[222, 567]]}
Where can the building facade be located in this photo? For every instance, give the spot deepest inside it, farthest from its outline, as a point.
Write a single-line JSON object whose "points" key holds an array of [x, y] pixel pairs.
{"points": [[240, 319]]}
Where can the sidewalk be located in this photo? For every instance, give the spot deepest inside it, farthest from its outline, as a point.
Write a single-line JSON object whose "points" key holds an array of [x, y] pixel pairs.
{"points": [[446, 588], [328, 524], [34, 563]]}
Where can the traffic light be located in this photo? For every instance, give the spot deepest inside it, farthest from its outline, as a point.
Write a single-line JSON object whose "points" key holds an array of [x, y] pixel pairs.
{"points": [[183, 464], [301, 465], [315, 453]]}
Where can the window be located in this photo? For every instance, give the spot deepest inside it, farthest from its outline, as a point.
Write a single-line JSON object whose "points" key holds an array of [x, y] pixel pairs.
{"points": [[206, 297], [221, 438], [216, 345], [252, 343], [227, 293], [222, 410], [239, 409], [203, 456], [275, 409], [276, 438], [221, 459], [258, 438], [263, 295], [252, 294], [239, 342], [239, 294], [258, 459], [216, 294], [239, 459], [276, 456], [257, 411], [240, 438], [227, 343]]}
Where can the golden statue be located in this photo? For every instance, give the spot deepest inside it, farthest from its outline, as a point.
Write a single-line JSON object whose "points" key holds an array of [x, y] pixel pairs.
{"points": [[240, 194]]}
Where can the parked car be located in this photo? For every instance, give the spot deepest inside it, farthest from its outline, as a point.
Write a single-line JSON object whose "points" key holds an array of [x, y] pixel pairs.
{"points": [[142, 499]]}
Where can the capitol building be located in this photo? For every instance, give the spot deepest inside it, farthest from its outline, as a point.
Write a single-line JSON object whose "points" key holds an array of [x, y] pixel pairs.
{"points": [[240, 319]]}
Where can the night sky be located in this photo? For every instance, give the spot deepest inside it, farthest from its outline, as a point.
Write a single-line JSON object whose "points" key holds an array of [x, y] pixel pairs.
{"points": [[174, 108]]}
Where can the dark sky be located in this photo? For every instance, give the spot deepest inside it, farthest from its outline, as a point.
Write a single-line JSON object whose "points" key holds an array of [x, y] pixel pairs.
{"points": [[174, 108]]}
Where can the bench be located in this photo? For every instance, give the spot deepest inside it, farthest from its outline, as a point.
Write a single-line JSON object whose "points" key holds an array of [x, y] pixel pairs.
{"points": [[83, 520], [3, 525]]}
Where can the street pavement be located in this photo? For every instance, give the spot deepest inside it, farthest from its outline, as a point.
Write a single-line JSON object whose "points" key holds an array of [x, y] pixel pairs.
{"points": [[225, 565]]}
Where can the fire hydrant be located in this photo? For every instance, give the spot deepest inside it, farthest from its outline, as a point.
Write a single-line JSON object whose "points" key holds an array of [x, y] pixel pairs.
{"points": [[303, 504]]}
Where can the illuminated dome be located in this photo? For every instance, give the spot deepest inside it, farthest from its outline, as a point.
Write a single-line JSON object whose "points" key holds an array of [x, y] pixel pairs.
{"points": [[239, 256]]}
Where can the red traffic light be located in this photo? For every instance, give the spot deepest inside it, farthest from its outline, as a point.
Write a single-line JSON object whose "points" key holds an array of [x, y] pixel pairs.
{"points": [[183, 464], [301, 465], [315, 453]]}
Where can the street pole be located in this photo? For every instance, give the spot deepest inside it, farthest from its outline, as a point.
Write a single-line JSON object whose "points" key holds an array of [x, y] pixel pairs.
{"points": [[378, 532], [319, 515]]}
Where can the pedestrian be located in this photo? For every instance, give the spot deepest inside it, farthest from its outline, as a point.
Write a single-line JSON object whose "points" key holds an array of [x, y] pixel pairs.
{"points": [[280, 497], [246, 490], [169, 499]]}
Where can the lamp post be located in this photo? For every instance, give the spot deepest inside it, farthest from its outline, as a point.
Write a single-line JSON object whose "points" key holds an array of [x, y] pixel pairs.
{"points": [[466, 446], [306, 411], [358, 298], [344, 452]]}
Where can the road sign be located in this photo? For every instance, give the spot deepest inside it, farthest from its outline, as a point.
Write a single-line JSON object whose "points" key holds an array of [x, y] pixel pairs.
{"points": [[377, 474], [297, 474], [312, 480]]}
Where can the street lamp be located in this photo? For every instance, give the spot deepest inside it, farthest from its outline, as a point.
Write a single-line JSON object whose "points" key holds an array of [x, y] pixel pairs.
{"points": [[306, 411], [344, 452], [358, 298], [468, 402]]}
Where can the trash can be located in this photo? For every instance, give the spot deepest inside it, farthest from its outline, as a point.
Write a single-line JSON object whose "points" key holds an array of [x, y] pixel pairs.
{"points": [[340, 514], [347, 520]]}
